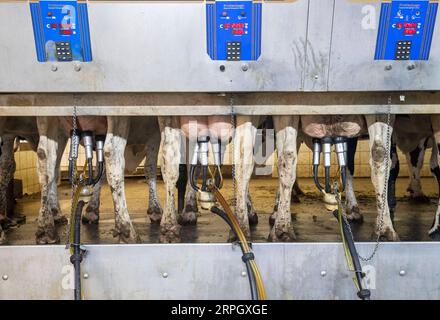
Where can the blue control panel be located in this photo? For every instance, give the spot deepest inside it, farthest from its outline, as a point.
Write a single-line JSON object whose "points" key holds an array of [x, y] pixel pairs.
{"points": [[406, 28], [234, 29], [61, 30]]}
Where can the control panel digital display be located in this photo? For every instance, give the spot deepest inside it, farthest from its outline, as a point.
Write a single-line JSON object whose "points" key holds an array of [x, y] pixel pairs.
{"points": [[234, 30], [405, 30], [61, 30]]}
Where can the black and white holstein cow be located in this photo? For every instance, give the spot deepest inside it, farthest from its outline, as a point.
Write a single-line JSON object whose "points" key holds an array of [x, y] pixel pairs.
{"points": [[287, 130], [128, 141]]}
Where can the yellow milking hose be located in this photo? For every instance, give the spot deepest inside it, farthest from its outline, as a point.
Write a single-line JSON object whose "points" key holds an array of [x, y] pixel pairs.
{"points": [[243, 241]]}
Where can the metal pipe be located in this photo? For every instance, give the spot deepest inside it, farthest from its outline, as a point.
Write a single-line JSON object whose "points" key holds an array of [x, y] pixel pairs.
{"points": [[99, 142], [327, 153], [316, 161]]}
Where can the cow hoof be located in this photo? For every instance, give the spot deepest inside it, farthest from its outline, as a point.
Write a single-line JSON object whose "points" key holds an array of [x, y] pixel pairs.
{"points": [[19, 218], [419, 199], [91, 216], [252, 215], [129, 237], [155, 214], [434, 234], [125, 232], [281, 235], [295, 198], [272, 218], [169, 234], [354, 215], [7, 223], [2, 237], [387, 235], [60, 219], [45, 236], [253, 219], [187, 218]]}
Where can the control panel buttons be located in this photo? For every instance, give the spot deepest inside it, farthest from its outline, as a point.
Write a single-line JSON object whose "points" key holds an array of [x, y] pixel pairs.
{"points": [[63, 51]]}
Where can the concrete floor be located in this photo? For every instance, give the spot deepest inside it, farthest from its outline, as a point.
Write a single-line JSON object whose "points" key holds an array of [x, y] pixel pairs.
{"points": [[312, 223]]}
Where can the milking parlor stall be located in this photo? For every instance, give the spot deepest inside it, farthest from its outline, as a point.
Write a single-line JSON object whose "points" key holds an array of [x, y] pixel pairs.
{"points": [[219, 149]]}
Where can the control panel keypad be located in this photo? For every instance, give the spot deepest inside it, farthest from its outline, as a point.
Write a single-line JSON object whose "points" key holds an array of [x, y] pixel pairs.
{"points": [[64, 51], [403, 50], [233, 51]]}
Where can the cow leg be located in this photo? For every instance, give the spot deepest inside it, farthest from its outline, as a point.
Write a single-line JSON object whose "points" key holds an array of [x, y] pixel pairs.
{"points": [[296, 190], [115, 142], [353, 212], [377, 129], [189, 213], [252, 213], [7, 169], [50, 134], [414, 159], [54, 204], [91, 214], [150, 170], [169, 163], [286, 128], [244, 139], [434, 232], [394, 173]]}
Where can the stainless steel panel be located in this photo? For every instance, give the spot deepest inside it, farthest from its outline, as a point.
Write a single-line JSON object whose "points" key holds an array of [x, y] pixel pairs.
{"points": [[214, 271], [319, 34], [154, 47], [352, 64]]}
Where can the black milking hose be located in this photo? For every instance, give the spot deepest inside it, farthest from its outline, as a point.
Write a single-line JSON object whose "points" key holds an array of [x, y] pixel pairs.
{"points": [[343, 177], [316, 179], [100, 170], [363, 294], [204, 177], [251, 276], [90, 166], [192, 179], [76, 258], [327, 179]]}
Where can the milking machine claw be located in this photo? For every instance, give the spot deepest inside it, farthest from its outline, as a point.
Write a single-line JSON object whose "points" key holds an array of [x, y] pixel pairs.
{"points": [[82, 185], [351, 254]]}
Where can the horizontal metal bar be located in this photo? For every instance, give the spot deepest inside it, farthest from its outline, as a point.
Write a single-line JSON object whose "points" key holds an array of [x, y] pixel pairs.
{"points": [[216, 110], [401, 270]]}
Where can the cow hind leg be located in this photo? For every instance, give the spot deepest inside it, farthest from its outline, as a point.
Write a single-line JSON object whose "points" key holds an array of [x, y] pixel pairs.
{"points": [[378, 133], [414, 160], [169, 161], [49, 130], [7, 169], [434, 232], [252, 213], [188, 209], [154, 210], [91, 214], [54, 204], [353, 212], [394, 173], [114, 148], [286, 129]]}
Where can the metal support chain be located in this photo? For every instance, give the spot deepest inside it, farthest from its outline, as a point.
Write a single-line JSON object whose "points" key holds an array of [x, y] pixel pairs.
{"points": [[384, 194], [233, 124]]}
